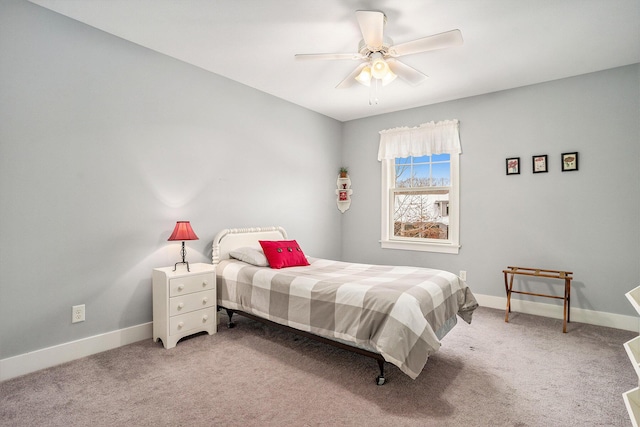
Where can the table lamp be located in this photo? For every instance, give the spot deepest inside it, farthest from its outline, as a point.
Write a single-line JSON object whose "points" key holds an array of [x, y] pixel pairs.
{"points": [[183, 231]]}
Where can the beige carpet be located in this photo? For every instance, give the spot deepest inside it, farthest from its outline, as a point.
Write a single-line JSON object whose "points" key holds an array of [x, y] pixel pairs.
{"points": [[489, 373]]}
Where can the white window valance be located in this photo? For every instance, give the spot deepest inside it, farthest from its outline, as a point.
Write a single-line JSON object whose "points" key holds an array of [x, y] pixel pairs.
{"points": [[423, 140]]}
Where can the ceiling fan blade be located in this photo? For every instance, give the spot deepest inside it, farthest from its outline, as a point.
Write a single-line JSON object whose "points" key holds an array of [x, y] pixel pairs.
{"points": [[350, 80], [406, 73], [437, 41], [371, 24], [305, 56]]}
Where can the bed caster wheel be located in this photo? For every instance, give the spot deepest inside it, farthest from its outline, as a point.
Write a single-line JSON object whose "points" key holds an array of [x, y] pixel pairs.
{"points": [[231, 325], [380, 380]]}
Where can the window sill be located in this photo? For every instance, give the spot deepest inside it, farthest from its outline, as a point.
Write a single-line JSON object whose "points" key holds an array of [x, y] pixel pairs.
{"points": [[443, 248]]}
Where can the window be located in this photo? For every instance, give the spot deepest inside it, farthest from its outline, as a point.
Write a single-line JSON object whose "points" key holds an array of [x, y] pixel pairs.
{"points": [[420, 195]]}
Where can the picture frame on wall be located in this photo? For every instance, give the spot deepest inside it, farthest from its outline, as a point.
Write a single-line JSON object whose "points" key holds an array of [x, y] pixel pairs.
{"points": [[513, 166], [539, 164], [570, 161]]}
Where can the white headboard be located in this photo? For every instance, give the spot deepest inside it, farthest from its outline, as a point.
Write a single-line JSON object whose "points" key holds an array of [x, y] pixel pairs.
{"points": [[233, 238]]}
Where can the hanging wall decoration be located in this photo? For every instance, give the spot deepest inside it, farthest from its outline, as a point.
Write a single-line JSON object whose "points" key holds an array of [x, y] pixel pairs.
{"points": [[540, 164], [344, 190], [513, 166], [570, 161]]}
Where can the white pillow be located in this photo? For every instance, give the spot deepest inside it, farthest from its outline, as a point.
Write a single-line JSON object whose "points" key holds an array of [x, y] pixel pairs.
{"points": [[250, 255]]}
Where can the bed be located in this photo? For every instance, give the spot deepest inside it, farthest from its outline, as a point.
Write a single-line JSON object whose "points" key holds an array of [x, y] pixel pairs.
{"points": [[395, 314]]}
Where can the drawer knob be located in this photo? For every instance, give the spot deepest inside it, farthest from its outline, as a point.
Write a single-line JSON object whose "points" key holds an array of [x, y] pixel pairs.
{"points": [[205, 300], [180, 287], [180, 325], [204, 284], [205, 318], [180, 306]]}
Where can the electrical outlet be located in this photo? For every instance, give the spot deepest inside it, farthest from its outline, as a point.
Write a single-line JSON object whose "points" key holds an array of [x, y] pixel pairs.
{"points": [[463, 275], [77, 313]]}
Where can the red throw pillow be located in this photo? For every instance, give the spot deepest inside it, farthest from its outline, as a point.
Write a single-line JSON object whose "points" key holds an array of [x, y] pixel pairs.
{"points": [[283, 253]]}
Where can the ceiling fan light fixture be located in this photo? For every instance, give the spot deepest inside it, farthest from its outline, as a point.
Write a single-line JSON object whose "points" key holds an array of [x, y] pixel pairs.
{"points": [[388, 78], [379, 67], [365, 76]]}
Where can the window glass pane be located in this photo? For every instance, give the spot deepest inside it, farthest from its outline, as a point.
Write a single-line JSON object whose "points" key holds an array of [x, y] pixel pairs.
{"points": [[421, 214], [441, 174], [440, 157], [423, 171], [421, 159], [420, 175], [403, 176]]}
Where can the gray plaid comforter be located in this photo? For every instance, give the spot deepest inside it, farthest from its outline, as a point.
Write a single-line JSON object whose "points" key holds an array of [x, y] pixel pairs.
{"points": [[399, 312]]}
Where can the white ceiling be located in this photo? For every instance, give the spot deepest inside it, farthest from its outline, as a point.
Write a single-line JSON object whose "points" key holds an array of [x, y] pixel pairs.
{"points": [[507, 43]]}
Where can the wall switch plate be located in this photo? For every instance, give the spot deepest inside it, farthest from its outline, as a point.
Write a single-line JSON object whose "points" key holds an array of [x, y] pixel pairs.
{"points": [[77, 313], [463, 274]]}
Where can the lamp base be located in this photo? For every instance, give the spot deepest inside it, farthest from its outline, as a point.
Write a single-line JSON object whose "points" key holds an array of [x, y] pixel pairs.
{"points": [[183, 252], [181, 262]]}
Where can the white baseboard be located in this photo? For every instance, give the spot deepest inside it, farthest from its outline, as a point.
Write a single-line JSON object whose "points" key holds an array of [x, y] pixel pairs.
{"points": [[22, 364], [579, 315], [40, 359]]}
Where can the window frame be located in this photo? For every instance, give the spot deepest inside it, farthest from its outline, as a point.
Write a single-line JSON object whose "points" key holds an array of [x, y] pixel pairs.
{"points": [[389, 241]]}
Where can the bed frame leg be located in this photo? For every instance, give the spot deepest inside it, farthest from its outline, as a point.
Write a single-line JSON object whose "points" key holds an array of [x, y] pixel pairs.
{"points": [[230, 314], [380, 379]]}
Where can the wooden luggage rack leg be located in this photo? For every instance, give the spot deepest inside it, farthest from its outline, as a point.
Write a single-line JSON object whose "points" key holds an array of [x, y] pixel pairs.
{"points": [[508, 287]]}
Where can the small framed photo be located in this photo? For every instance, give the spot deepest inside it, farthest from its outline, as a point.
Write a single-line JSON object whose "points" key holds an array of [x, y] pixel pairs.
{"points": [[513, 166], [570, 161], [540, 164]]}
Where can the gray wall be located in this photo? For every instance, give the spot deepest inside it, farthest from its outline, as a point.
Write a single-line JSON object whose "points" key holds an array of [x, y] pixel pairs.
{"points": [[586, 221], [104, 145]]}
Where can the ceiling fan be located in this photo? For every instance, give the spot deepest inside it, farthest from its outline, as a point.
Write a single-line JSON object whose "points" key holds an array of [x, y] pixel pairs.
{"points": [[378, 53]]}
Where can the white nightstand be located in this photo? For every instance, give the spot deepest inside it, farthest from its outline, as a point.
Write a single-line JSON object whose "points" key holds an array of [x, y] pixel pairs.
{"points": [[183, 302]]}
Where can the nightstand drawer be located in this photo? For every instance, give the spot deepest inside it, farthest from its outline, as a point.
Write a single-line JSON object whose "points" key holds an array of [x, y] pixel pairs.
{"points": [[194, 320], [190, 284], [191, 302]]}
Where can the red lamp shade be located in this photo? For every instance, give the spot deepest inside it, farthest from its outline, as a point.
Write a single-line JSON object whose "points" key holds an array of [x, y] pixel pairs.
{"points": [[183, 231]]}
